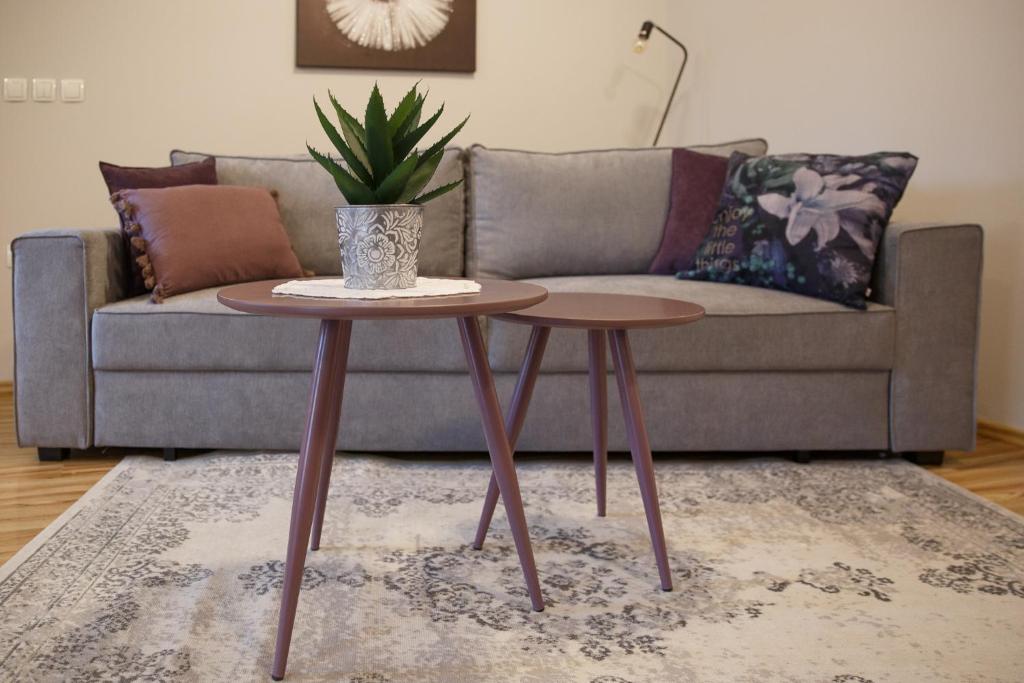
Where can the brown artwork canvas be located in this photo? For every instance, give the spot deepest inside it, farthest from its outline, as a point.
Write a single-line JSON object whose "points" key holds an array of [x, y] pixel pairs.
{"points": [[416, 35]]}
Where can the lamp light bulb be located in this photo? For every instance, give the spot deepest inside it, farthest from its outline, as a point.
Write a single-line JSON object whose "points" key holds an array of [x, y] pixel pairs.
{"points": [[639, 46]]}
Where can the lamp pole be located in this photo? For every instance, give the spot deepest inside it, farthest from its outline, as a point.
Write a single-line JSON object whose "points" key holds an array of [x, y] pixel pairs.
{"points": [[641, 43]]}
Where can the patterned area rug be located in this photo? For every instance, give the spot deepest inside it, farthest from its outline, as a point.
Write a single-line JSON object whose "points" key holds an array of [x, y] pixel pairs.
{"points": [[836, 571]]}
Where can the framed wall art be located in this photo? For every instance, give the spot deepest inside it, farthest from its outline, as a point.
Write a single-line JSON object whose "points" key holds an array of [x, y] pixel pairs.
{"points": [[416, 35]]}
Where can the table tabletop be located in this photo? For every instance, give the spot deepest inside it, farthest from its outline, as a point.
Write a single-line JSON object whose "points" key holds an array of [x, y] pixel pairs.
{"points": [[605, 311], [495, 296]]}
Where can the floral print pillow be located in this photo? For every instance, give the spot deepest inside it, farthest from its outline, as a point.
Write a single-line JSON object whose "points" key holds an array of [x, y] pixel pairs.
{"points": [[803, 223]]}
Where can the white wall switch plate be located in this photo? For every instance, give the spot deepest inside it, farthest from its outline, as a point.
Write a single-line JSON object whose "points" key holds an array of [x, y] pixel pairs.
{"points": [[72, 89], [10, 256], [44, 89], [15, 89]]}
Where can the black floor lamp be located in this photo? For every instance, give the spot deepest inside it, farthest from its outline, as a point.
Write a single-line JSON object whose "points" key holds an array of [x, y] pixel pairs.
{"points": [[641, 43]]}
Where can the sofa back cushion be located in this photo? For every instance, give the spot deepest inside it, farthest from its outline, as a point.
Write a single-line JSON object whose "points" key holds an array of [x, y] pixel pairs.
{"points": [[307, 195], [535, 214]]}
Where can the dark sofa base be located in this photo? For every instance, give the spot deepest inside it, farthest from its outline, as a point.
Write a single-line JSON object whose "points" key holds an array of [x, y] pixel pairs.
{"points": [[917, 457], [54, 454]]}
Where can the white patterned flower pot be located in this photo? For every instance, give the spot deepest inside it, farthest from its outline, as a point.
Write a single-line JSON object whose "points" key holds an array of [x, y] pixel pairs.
{"points": [[380, 245]]}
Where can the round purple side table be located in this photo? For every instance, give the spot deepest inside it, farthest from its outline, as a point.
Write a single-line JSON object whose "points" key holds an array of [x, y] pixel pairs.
{"points": [[324, 411], [599, 314]]}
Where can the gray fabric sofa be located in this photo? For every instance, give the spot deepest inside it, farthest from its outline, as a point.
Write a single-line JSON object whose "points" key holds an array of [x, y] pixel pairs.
{"points": [[764, 371]]}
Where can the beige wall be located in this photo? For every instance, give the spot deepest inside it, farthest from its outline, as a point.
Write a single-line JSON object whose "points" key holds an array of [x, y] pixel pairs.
{"points": [[940, 78]]}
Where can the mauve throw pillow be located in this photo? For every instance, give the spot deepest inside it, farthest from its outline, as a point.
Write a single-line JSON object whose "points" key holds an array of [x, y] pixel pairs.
{"points": [[120, 178], [697, 181], [136, 177], [803, 223], [197, 236]]}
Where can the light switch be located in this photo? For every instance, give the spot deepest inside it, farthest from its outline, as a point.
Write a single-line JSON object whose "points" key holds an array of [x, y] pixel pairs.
{"points": [[72, 89], [15, 89], [44, 89]]}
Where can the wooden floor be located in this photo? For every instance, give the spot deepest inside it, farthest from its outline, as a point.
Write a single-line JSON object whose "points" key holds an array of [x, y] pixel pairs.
{"points": [[33, 494], [993, 470]]}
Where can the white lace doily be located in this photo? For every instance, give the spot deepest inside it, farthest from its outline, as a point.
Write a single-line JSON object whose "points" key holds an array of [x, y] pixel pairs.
{"points": [[334, 288]]}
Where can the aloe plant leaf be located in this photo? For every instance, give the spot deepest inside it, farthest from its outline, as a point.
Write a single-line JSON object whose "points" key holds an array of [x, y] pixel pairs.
{"points": [[439, 145], [353, 190], [434, 194], [414, 117], [405, 145], [378, 141], [346, 152], [391, 188], [412, 120], [403, 110], [357, 146], [420, 177], [355, 134], [347, 119]]}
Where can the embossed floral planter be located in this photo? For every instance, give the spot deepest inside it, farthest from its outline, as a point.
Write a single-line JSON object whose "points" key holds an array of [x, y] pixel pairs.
{"points": [[379, 244]]}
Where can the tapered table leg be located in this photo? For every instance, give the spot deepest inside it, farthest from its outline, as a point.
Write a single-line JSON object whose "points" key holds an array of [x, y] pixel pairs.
{"points": [[599, 415], [327, 464], [501, 452], [514, 423], [318, 441], [636, 430]]}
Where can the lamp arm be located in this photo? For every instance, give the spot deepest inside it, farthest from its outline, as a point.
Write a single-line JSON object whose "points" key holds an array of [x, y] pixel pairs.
{"points": [[670, 37], [675, 86]]}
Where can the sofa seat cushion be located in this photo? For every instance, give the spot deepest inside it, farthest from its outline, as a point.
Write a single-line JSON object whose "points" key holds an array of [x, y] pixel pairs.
{"points": [[195, 332], [746, 328]]}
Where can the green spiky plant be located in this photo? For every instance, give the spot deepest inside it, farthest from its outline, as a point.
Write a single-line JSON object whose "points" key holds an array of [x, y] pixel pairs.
{"points": [[384, 164]]}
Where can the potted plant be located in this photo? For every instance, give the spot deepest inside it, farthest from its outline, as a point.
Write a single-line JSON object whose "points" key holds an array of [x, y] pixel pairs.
{"points": [[382, 178]]}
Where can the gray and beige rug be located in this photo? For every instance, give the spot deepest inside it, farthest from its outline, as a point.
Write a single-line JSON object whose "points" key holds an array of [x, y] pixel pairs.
{"points": [[835, 571]]}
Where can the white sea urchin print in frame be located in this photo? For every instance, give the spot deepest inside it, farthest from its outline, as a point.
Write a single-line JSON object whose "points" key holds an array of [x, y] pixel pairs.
{"points": [[415, 35], [391, 26]]}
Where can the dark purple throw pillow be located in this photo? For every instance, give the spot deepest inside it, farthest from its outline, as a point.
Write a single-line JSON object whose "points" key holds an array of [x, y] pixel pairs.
{"points": [[697, 181], [136, 178]]}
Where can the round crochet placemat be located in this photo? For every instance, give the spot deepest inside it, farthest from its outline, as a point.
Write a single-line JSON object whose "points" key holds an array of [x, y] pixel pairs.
{"points": [[334, 288]]}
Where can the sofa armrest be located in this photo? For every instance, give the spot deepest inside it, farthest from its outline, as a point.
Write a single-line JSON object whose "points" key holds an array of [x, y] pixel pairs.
{"points": [[931, 275], [60, 278]]}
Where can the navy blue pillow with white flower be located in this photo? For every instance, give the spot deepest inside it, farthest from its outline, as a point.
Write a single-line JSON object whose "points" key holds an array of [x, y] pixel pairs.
{"points": [[802, 223]]}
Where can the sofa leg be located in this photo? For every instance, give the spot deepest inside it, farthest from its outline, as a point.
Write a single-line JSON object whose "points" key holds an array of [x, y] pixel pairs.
{"points": [[170, 454], [924, 457], [802, 457], [53, 454]]}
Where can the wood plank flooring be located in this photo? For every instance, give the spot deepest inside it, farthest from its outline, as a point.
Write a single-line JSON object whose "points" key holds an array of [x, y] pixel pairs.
{"points": [[33, 494], [993, 470]]}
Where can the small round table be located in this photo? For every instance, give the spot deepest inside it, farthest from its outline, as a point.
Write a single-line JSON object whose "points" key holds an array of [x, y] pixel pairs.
{"points": [[598, 314], [324, 410]]}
